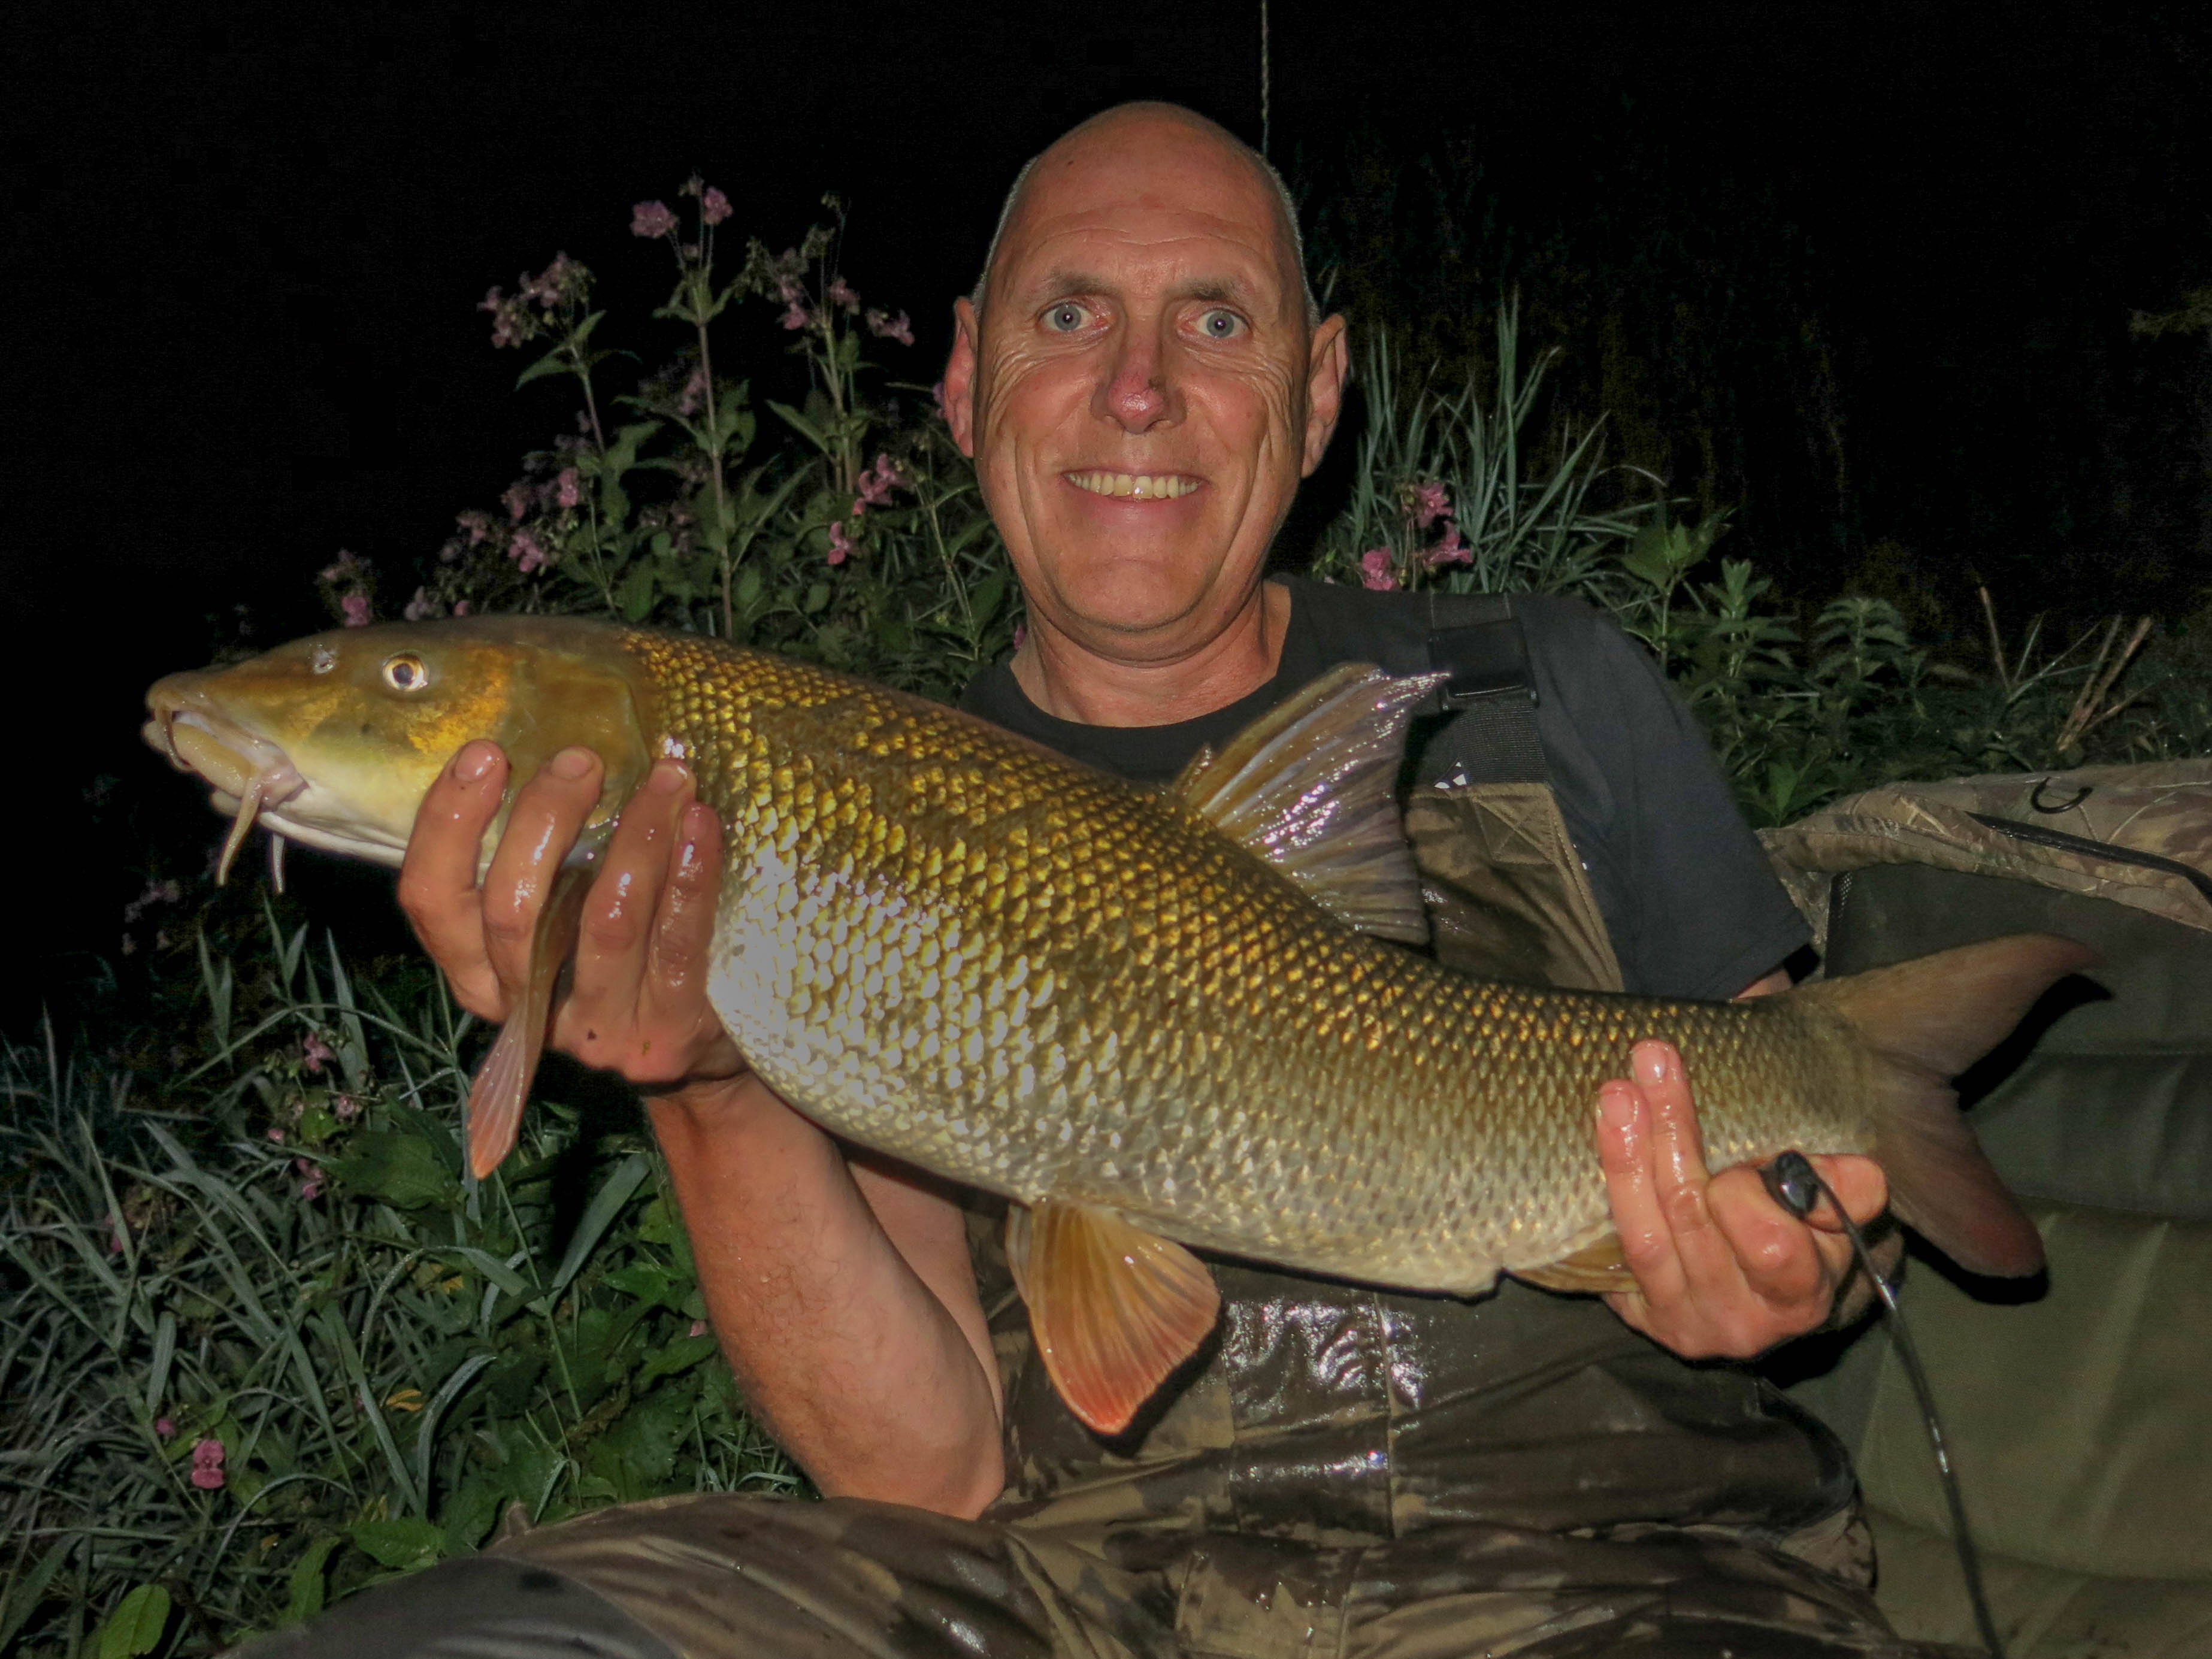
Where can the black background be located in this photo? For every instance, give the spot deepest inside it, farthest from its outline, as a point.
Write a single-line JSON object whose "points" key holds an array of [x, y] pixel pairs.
{"points": [[243, 244]]}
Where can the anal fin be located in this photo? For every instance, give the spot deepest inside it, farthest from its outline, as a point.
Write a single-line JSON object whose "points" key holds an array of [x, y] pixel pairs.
{"points": [[1115, 1308], [1595, 1269], [502, 1082]]}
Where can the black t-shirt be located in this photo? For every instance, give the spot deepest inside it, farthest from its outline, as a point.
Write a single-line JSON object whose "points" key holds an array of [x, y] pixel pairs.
{"points": [[1685, 892]]}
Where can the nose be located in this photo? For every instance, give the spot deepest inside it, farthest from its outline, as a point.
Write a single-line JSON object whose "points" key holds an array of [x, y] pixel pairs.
{"points": [[1138, 392]]}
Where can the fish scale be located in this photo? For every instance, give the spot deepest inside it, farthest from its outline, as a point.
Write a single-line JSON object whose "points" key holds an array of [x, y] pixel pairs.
{"points": [[1212, 1043]]}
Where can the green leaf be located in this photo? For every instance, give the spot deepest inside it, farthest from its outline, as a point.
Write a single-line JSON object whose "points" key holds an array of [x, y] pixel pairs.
{"points": [[643, 1282], [401, 1170], [636, 594], [817, 597], [599, 1215], [550, 363], [404, 1543], [799, 424], [307, 1585], [679, 1355], [136, 1625]]}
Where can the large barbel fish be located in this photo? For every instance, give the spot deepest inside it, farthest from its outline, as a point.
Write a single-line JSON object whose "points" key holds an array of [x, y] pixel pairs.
{"points": [[1152, 1019]]}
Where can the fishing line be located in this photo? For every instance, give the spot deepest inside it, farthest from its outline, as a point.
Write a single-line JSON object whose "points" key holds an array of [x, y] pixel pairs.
{"points": [[1798, 1187]]}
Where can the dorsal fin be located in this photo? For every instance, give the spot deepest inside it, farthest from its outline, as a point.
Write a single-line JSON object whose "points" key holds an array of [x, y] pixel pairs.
{"points": [[1310, 787]]}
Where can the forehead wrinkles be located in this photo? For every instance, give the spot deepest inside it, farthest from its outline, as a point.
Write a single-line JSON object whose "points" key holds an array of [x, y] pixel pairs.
{"points": [[1186, 253]]}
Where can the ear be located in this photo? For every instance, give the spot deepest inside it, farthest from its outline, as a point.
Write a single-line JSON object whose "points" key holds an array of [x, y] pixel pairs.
{"points": [[960, 376], [1328, 363]]}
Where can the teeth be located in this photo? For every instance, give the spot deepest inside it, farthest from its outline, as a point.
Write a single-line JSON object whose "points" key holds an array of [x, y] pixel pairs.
{"points": [[1138, 486]]}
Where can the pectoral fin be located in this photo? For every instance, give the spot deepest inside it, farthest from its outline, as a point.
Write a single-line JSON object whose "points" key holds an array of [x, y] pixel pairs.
{"points": [[502, 1082], [1113, 1309], [1310, 787], [1595, 1269]]}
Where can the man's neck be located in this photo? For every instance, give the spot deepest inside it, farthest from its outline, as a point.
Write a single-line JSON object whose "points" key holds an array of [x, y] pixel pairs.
{"points": [[1071, 683]]}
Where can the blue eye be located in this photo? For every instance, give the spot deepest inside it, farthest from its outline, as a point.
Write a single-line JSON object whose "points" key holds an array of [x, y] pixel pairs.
{"points": [[1065, 318], [1219, 324]]}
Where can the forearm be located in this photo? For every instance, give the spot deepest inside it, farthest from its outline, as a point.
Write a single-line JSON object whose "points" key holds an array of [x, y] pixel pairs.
{"points": [[846, 1348]]}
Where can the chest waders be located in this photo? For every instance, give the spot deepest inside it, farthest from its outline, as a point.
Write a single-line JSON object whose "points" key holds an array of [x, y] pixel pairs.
{"points": [[1341, 1470]]}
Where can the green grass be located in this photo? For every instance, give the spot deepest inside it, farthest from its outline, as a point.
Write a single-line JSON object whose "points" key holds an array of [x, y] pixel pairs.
{"points": [[390, 1363]]}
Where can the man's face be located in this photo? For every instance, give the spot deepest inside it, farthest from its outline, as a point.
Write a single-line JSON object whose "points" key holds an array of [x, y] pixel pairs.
{"points": [[1143, 393]]}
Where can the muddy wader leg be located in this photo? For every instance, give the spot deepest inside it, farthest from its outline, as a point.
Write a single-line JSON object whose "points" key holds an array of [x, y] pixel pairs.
{"points": [[484, 1606]]}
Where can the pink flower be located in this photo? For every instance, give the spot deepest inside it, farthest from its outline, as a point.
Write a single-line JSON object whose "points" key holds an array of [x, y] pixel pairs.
{"points": [[315, 1053], [275, 1133], [312, 1188], [510, 318], [1451, 549], [713, 206], [795, 316], [527, 555], [165, 1427], [478, 525], [884, 326], [516, 500], [937, 396], [568, 488], [1375, 569], [841, 295], [875, 485], [355, 609], [343, 567], [207, 1465], [1431, 502], [694, 394], [562, 280], [651, 219], [343, 1107], [698, 1327], [460, 607], [788, 288], [841, 545], [419, 606]]}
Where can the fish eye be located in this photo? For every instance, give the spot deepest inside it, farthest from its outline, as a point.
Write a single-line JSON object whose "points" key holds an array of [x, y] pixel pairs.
{"points": [[405, 672]]}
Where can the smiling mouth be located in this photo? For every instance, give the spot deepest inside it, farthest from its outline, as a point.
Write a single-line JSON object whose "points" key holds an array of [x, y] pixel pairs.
{"points": [[1134, 486]]}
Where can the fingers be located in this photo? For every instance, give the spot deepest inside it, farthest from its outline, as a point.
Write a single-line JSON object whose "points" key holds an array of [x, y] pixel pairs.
{"points": [[1720, 1268], [685, 931], [637, 1003], [549, 810], [625, 900], [1654, 1160], [438, 878]]}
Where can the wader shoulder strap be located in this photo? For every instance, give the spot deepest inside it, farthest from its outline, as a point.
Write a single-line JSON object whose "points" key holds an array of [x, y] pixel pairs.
{"points": [[1477, 639]]}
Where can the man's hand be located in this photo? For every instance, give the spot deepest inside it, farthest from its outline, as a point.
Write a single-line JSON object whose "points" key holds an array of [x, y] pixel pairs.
{"points": [[637, 1003], [1722, 1270]]}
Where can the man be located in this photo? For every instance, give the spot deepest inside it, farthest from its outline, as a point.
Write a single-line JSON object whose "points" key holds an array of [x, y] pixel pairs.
{"points": [[1142, 380]]}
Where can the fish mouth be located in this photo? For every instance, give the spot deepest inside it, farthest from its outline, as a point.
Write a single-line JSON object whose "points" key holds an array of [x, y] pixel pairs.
{"points": [[253, 779]]}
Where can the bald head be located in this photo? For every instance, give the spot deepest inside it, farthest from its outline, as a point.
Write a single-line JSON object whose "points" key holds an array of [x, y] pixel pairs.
{"points": [[1208, 153]]}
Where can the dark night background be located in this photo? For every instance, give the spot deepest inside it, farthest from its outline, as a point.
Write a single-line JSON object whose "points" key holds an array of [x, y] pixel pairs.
{"points": [[1863, 272]]}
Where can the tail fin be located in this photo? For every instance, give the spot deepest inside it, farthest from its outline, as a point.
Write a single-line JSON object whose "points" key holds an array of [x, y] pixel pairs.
{"points": [[1926, 1021]]}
